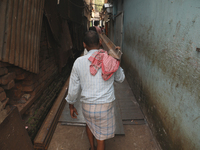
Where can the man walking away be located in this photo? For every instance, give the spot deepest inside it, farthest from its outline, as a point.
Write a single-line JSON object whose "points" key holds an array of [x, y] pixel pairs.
{"points": [[96, 23], [95, 74]]}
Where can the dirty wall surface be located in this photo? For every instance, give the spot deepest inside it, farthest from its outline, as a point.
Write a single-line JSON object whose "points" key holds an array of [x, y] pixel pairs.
{"points": [[163, 67]]}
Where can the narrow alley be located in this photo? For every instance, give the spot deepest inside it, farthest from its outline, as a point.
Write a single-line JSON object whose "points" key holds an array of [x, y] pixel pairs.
{"points": [[155, 46], [132, 131]]}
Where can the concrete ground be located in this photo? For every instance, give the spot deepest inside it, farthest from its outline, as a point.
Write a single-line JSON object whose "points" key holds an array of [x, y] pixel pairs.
{"points": [[137, 137]]}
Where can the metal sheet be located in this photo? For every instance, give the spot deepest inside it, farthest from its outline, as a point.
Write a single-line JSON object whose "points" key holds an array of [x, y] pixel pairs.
{"points": [[59, 28], [66, 119], [19, 40], [128, 105], [134, 122], [126, 109], [118, 119]]}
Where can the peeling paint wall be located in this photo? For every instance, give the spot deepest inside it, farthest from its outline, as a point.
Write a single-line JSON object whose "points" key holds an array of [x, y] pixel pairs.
{"points": [[163, 67]]}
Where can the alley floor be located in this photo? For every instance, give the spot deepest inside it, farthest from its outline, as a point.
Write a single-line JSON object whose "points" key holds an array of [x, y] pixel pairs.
{"points": [[137, 137]]}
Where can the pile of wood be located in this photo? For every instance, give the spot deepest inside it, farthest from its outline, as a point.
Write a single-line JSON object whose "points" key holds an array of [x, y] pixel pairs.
{"points": [[6, 82], [3, 113], [36, 114], [43, 138]]}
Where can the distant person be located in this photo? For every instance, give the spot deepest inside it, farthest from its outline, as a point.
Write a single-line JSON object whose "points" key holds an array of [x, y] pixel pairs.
{"points": [[96, 23], [90, 74], [103, 29]]}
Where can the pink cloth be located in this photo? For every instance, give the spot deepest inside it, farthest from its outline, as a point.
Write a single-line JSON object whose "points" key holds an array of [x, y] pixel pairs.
{"points": [[108, 64]]}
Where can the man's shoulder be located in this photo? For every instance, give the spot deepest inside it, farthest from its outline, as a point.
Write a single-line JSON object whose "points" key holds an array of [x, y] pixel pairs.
{"points": [[80, 59]]}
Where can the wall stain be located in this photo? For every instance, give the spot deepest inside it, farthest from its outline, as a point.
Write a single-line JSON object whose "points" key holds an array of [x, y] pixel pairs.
{"points": [[174, 63]]}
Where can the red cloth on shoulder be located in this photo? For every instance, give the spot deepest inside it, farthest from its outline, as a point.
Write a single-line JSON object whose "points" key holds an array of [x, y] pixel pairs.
{"points": [[107, 63]]}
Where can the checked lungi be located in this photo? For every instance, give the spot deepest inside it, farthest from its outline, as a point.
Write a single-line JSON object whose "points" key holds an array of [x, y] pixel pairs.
{"points": [[100, 118]]}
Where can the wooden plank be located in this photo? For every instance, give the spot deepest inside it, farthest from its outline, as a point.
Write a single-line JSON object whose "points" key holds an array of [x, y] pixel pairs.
{"points": [[46, 131], [23, 28], [54, 124], [18, 34], [34, 95], [7, 39], [13, 32], [109, 46], [49, 135], [3, 11]]}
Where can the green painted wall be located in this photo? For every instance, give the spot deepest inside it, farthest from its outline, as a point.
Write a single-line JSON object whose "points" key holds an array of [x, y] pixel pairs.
{"points": [[163, 67]]}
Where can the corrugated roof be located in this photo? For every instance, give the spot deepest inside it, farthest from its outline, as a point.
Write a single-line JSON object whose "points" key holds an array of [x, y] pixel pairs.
{"points": [[20, 29]]}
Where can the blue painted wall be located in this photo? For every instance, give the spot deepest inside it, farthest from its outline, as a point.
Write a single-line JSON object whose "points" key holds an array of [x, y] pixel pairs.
{"points": [[163, 66]]}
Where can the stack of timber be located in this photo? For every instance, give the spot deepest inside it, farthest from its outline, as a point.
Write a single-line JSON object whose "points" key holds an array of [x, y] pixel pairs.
{"points": [[47, 129], [35, 116], [6, 83], [110, 47]]}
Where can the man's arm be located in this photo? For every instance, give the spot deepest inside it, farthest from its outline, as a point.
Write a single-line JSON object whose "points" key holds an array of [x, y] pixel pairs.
{"points": [[119, 75], [74, 90]]}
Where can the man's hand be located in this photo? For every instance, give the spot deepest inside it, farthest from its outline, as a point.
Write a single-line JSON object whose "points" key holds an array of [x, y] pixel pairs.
{"points": [[117, 48], [73, 111]]}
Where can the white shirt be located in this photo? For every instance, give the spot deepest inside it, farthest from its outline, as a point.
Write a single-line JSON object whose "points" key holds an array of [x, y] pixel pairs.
{"points": [[94, 89]]}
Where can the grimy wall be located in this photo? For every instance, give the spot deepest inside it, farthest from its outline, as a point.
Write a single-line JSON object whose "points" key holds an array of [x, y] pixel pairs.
{"points": [[163, 67]]}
